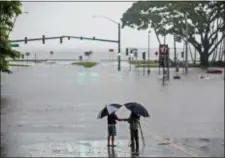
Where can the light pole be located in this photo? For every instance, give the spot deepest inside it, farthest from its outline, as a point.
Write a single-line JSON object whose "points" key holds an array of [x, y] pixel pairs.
{"points": [[14, 22], [149, 52], [186, 46], [119, 39]]}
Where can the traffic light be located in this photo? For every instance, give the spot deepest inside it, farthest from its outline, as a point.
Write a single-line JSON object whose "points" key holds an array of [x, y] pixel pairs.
{"points": [[25, 40], [43, 39], [68, 37], [93, 38], [61, 40], [81, 38], [127, 51], [143, 55], [135, 52]]}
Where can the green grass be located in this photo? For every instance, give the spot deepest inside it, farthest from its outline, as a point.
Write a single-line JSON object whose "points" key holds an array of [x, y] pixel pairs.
{"points": [[85, 64], [137, 62], [19, 65], [146, 65]]}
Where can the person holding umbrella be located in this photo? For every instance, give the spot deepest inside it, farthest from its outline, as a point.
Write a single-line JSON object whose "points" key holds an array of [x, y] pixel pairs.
{"points": [[137, 110], [134, 122], [109, 110], [112, 128]]}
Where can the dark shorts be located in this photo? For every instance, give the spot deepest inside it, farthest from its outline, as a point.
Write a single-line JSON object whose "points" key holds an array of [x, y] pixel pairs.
{"points": [[111, 130]]}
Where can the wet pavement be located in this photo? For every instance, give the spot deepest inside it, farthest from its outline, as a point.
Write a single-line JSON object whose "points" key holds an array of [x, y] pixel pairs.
{"points": [[51, 110]]}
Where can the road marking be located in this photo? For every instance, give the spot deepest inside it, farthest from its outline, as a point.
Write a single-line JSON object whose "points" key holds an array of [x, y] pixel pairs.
{"points": [[179, 147], [176, 146]]}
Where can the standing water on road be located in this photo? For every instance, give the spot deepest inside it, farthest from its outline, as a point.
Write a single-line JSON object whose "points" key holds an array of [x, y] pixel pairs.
{"points": [[51, 110]]}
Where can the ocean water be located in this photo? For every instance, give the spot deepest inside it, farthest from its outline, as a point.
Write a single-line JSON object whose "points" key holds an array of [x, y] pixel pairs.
{"points": [[104, 54]]}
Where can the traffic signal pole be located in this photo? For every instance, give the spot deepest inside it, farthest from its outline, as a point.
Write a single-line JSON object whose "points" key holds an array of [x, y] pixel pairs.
{"points": [[149, 52], [58, 37], [43, 39], [119, 47], [168, 65], [118, 41], [186, 47]]}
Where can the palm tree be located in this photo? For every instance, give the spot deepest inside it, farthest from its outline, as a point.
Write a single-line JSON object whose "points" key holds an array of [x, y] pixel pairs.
{"points": [[27, 54], [88, 53]]}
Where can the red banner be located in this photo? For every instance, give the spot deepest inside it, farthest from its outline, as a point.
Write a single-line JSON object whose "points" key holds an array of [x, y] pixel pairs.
{"points": [[163, 50]]}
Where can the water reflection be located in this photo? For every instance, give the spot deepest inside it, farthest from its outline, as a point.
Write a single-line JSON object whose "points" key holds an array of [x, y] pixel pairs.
{"points": [[111, 152], [135, 152]]}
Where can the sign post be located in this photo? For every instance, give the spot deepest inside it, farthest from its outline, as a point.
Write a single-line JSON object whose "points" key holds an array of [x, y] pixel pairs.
{"points": [[143, 64], [134, 51], [164, 59]]}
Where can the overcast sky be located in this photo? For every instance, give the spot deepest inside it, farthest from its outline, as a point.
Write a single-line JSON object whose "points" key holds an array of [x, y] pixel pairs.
{"points": [[76, 18]]}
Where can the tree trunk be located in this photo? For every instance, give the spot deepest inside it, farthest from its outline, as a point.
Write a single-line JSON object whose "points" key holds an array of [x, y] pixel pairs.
{"points": [[204, 59], [191, 53]]}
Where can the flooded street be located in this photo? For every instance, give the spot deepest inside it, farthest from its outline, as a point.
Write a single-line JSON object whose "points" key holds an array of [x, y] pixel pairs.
{"points": [[51, 110]]}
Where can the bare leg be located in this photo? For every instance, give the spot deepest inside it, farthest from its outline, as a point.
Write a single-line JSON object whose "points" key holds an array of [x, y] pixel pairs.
{"points": [[113, 139]]}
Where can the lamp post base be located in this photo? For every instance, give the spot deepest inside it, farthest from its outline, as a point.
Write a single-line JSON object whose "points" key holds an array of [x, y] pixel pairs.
{"points": [[119, 63]]}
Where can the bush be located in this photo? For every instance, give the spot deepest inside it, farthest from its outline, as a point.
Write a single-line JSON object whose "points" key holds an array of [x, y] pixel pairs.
{"points": [[85, 64]]}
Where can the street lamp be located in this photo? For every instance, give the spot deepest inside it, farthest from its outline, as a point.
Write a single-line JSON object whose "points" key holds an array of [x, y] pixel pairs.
{"points": [[119, 38], [14, 21], [149, 51]]}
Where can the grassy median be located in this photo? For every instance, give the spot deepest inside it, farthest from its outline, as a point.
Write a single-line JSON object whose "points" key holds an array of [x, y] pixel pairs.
{"points": [[19, 65], [85, 64]]}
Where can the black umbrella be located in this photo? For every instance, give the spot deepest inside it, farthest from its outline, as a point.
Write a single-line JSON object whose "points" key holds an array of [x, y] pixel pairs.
{"points": [[108, 109], [137, 109]]}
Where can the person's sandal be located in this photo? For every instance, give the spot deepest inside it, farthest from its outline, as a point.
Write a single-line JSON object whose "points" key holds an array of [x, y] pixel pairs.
{"points": [[113, 145], [108, 145]]}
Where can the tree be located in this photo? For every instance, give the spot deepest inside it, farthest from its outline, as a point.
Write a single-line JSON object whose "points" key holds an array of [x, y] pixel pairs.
{"points": [[88, 53], [8, 10], [205, 20]]}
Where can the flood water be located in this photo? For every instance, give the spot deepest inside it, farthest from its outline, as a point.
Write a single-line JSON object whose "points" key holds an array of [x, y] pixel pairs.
{"points": [[51, 110]]}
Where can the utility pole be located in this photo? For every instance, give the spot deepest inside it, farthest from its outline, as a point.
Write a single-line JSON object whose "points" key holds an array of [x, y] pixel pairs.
{"points": [[223, 50], [195, 55], [175, 52], [186, 46], [148, 71], [119, 39], [119, 49], [164, 59]]}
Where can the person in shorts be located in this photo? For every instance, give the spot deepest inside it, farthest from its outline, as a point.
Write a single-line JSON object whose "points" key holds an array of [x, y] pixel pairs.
{"points": [[112, 128]]}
